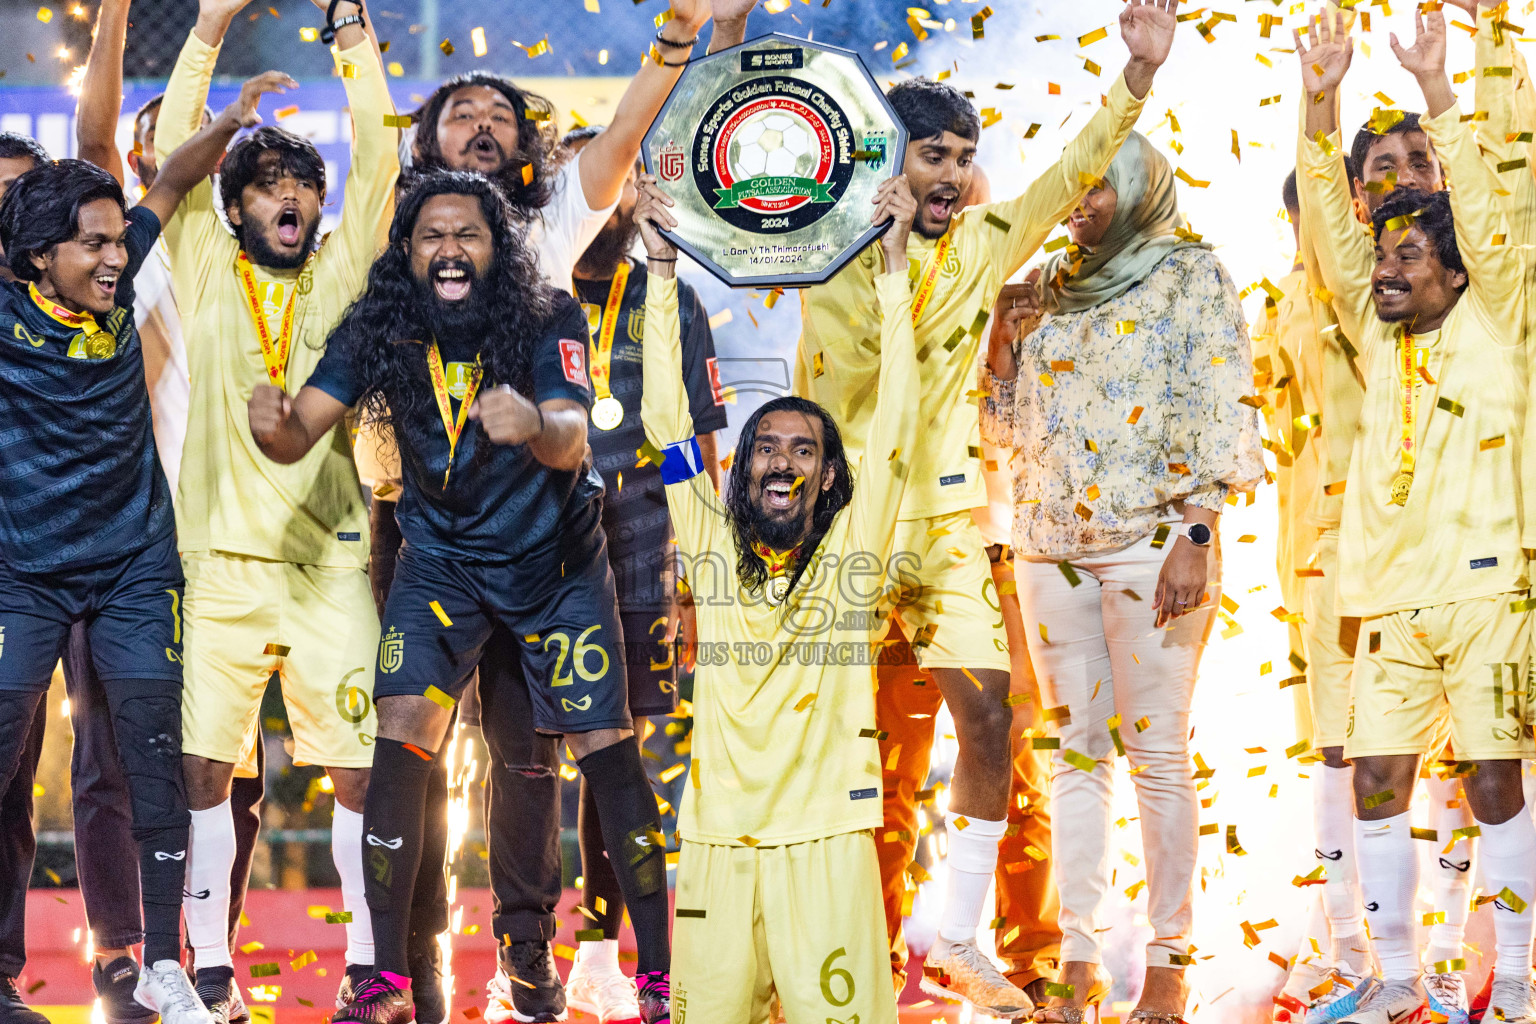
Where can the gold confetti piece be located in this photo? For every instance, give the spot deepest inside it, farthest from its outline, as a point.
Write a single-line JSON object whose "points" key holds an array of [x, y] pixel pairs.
{"points": [[1083, 511], [805, 702], [1453, 407], [668, 774], [1069, 572], [1523, 605], [277, 650], [1056, 243], [747, 841], [1125, 327], [873, 734], [309, 35], [528, 180], [1184, 176], [1093, 492], [1299, 747], [1015, 699], [1178, 469], [250, 947], [1160, 535], [304, 960], [1061, 365], [439, 698], [1081, 762], [397, 120], [341, 917], [1045, 743], [1450, 966], [347, 69], [1135, 415], [264, 970], [997, 222], [1047, 379], [446, 47], [1043, 636], [477, 40], [1377, 799], [1233, 846], [1511, 900], [442, 616], [1491, 442], [44, 15]]}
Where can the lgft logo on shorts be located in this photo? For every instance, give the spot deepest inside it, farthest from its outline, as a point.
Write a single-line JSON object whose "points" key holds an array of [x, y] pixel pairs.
{"points": [[391, 650]]}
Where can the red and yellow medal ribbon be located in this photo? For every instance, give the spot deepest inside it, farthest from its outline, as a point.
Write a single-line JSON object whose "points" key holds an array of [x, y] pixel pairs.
{"points": [[274, 353], [97, 343], [602, 345], [1407, 371], [925, 290], [79, 321], [453, 426], [777, 561]]}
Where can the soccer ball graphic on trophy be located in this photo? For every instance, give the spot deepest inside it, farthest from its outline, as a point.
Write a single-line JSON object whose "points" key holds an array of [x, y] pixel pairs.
{"points": [[775, 144]]}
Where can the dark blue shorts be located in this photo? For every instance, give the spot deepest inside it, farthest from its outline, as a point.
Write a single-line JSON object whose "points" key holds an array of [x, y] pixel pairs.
{"points": [[559, 608], [131, 608]]}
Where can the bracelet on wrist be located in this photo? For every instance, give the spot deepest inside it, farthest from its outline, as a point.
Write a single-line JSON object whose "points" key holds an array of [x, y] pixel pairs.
{"points": [[541, 421], [660, 61], [661, 259], [674, 44], [332, 26]]}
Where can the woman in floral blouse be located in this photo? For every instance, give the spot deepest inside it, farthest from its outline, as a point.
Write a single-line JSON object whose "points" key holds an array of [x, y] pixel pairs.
{"points": [[1128, 407]]}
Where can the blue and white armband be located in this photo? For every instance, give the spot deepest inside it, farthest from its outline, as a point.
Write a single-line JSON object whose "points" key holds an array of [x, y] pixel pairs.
{"points": [[681, 462]]}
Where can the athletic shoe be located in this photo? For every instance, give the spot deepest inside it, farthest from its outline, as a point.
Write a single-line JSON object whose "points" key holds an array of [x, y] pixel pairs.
{"points": [[239, 1013], [655, 997], [1447, 995], [13, 1009], [1510, 1001], [378, 1000], [355, 976], [1392, 1002], [960, 972], [1350, 992], [598, 987], [425, 959], [1480, 1001], [214, 986], [165, 988], [526, 987], [114, 984], [1296, 994]]}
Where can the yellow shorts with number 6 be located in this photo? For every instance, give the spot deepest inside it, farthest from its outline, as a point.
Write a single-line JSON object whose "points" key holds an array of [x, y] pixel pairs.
{"points": [[803, 920]]}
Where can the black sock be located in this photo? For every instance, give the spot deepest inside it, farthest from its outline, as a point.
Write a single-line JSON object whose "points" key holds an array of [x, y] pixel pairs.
{"points": [[213, 984], [598, 880], [429, 898], [392, 834], [627, 812]]}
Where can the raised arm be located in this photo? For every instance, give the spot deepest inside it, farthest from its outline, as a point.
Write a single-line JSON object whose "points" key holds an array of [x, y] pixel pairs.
{"points": [[1502, 81], [1344, 255], [607, 160], [285, 428], [1494, 270], [101, 91], [368, 203], [198, 157], [729, 26], [1147, 26]]}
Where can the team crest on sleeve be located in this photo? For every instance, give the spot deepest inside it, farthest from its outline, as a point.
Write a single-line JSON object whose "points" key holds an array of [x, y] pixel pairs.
{"points": [[714, 380], [573, 362], [391, 650]]}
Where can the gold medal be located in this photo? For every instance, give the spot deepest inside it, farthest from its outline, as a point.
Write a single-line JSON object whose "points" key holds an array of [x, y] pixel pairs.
{"points": [[778, 589], [607, 413], [1400, 488], [100, 345]]}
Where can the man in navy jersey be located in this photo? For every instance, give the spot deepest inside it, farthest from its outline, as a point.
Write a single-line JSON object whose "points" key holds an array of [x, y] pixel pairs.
{"points": [[479, 369], [87, 532]]}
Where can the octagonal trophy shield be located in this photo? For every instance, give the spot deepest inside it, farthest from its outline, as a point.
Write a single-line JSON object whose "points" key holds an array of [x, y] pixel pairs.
{"points": [[772, 151]]}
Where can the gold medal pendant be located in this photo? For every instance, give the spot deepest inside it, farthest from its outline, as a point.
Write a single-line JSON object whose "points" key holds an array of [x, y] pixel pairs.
{"points": [[100, 345], [778, 589], [607, 413], [1400, 488]]}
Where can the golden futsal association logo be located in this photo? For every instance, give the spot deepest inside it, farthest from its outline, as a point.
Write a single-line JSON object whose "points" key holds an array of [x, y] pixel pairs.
{"points": [[391, 650]]}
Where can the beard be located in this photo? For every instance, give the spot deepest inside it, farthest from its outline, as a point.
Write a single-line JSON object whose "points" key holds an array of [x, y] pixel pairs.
{"points": [[778, 532], [459, 320], [262, 254], [609, 248]]}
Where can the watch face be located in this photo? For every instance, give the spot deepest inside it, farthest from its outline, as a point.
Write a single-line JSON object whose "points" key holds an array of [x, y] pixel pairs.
{"points": [[1200, 534]]}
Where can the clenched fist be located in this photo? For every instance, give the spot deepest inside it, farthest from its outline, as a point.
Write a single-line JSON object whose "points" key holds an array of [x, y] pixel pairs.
{"points": [[507, 417], [269, 409]]}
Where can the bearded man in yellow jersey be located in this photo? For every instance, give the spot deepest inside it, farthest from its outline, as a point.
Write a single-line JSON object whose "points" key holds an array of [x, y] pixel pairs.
{"points": [[275, 556], [1430, 541], [778, 886], [961, 261]]}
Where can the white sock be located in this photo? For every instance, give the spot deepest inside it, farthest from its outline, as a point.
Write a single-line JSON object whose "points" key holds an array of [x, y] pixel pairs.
{"points": [[1333, 822], [347, 853], [972, 861], [1509, 862], [601, 953], [210, 859], [1450, 874], [1389, 879]]}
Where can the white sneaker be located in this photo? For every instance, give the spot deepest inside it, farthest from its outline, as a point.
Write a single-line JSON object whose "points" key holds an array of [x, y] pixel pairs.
{"points": [[1395, 1002], [1447, 995], [598, 987], [165, 988], [1296, 995], [498, 999], [1510, 1001]]}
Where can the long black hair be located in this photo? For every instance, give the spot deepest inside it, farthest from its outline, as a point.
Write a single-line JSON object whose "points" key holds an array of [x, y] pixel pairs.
{"points": [[536, 143], [751, 573], [42, 209], [1430, 212], [384, 331]]}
